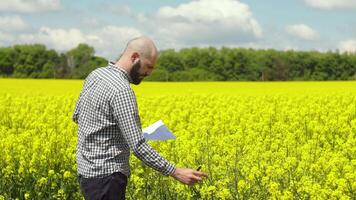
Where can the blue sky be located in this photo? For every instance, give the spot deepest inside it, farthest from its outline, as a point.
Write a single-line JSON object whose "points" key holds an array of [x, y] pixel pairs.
{"points": [[107, 25]]}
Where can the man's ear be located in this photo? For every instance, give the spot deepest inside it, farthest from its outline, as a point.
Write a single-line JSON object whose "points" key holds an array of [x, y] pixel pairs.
{"points": [[135, 56]]}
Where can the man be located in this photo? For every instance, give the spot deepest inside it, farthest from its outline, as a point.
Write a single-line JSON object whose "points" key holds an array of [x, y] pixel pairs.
{"points": [[109, 126]]}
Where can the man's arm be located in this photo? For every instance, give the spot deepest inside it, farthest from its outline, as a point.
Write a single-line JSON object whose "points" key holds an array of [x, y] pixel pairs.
{"points": [[126, 115]]}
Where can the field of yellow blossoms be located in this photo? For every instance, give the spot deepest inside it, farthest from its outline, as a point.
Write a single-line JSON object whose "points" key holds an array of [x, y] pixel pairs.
{"points": [[276, 140]]}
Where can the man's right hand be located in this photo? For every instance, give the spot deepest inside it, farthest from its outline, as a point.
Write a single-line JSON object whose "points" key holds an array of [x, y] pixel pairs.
{"points": [[188, 176]]}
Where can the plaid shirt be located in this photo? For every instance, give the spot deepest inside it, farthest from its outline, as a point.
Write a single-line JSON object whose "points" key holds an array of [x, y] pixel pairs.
{"points": [[109, 126]]}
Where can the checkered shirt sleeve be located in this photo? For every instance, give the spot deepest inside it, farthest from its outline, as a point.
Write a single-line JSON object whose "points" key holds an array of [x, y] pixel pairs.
{"points": [[125, 112]]}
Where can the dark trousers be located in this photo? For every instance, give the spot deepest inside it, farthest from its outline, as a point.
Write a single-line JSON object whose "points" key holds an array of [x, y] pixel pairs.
{"points": [[111, 187]]}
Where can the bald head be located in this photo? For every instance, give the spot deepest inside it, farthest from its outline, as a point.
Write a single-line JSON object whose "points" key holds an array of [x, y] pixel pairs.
{"points": [[142, 45], [138, 58]]}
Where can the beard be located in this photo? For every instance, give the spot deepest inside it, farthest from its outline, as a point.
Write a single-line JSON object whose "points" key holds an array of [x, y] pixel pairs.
{"points": [[135, 74]]}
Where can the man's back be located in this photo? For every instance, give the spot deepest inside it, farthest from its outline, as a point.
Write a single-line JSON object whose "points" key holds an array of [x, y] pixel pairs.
{"points": [[101, 148]]}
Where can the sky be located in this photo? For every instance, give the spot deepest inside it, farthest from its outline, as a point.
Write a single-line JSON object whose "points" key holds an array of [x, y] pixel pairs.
{"points": [[108, 25]]}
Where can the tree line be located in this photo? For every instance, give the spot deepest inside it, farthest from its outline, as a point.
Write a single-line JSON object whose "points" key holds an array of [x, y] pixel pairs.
{"points": [[188, 64], [36, 61]]}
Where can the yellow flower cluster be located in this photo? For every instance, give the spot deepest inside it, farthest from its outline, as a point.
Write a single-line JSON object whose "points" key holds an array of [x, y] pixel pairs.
{"points": [[252, 145]]}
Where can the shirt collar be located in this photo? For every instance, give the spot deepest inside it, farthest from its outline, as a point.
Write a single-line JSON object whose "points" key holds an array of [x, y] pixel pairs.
{"points": [[119, 69]]}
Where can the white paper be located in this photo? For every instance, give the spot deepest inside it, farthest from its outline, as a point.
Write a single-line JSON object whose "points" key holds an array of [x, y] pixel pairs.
{"points": [[157, 131]]}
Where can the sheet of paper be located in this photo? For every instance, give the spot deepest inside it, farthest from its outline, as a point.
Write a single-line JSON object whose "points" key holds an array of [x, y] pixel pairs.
{"points": [[157, 131]]}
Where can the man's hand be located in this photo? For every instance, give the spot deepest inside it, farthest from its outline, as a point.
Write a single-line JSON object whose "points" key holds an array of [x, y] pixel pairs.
{"points": [[188, 176]]}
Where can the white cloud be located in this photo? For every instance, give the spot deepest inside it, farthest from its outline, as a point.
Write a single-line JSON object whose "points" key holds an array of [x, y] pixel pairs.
{"points": [[6, 39], [29, 6], [12, 23], [108, 41], [111, 40], [58, 39], [348, 45], [331, 4], [302, 31], [204, 22]]}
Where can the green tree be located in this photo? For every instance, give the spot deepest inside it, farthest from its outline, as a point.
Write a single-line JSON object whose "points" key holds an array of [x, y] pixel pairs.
{"points": [[170, 60], [80, 61], [158, 75], [194, 74], [30, 60], [7, 55]]}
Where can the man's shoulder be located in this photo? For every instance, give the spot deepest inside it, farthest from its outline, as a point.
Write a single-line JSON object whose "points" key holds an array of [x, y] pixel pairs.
{"points": [[99, 71], [113, 81], [95, 73]]}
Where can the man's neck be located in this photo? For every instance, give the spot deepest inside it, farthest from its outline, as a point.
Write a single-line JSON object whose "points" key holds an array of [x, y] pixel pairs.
{"points": [[123, 65]]}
